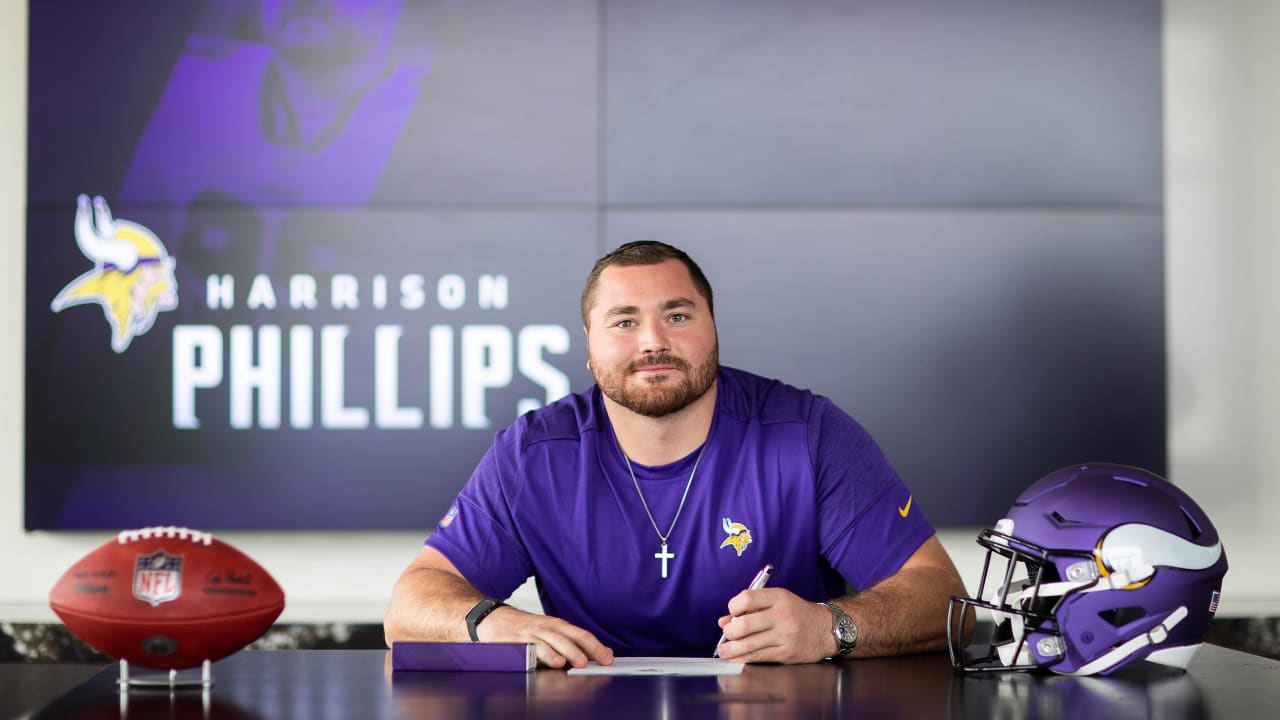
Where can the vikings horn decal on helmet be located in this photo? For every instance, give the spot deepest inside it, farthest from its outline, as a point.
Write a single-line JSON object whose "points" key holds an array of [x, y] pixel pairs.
{"points": [[1096, 566]]}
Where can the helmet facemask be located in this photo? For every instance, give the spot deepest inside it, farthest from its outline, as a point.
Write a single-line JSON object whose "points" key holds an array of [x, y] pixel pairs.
{"points": [[1022, 588]]}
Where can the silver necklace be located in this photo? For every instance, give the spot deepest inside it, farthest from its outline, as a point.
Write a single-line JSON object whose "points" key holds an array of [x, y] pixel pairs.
{"points": [[664, 555]]}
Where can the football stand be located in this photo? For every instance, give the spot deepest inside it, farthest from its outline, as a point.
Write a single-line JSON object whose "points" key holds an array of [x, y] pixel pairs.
{"points": [[174, 681]]}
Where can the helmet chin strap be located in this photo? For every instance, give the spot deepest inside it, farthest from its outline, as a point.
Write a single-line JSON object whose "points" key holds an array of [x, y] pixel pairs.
{"points": [[1015, 654], [1122, 651], [1017, 650]]}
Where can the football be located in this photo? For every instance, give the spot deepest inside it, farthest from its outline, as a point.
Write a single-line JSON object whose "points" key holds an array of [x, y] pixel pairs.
{"points": [[166, 598]]}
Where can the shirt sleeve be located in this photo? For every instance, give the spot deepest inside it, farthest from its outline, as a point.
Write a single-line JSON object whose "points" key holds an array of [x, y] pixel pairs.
{"points": [[478, 534], [868, 521]]}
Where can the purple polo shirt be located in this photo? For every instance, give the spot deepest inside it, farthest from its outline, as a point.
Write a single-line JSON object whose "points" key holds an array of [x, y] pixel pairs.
{"points": [[553, 499]]}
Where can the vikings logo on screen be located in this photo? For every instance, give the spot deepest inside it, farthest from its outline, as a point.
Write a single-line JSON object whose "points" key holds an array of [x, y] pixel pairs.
{"points": [[132, 276]]}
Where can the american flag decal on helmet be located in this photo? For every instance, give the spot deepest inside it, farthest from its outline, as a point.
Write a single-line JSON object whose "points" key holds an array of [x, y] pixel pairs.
{"points": [[1213, 601]]}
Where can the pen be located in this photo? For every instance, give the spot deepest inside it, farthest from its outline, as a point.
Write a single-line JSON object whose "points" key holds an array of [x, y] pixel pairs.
{"points": [[761, 578]]}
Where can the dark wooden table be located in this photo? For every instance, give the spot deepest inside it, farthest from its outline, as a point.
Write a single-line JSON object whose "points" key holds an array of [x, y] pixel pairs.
{"points": [[359, 684]]}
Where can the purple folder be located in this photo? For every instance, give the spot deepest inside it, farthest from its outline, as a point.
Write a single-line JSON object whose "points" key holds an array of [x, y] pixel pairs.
{"points": [[449, 656]]}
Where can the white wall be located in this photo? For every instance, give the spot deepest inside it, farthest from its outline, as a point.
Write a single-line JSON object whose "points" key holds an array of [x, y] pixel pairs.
{"points": [[1222, 163]]}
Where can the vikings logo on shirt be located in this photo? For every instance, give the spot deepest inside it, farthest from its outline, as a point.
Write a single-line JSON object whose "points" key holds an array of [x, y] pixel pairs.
{"points": [[132, 276], [739, 536]]}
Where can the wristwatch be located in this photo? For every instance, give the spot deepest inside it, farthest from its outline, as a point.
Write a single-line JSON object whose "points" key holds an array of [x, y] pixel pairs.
{"points": [[480, 612], [845, 632]]}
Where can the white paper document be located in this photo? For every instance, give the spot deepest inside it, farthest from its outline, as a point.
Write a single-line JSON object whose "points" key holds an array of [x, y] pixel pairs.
{"points": [[662, 666]]}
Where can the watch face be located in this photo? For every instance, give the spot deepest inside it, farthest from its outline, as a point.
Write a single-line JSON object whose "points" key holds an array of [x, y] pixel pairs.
{"points": [[845, 631], [848, 633]]}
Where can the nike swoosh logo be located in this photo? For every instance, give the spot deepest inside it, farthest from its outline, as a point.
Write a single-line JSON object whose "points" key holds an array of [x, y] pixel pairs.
{"points": [[906, 508]]}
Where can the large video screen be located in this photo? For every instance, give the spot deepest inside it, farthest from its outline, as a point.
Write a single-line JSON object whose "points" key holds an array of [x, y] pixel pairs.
{"points": [[292, 264]]}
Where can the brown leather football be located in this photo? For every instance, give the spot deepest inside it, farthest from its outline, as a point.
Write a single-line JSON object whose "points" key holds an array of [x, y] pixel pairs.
{"points": [[167, 598]]}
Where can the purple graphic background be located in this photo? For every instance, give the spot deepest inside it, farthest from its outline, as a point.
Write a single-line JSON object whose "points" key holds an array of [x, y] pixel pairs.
{"points": [[947, 219]]}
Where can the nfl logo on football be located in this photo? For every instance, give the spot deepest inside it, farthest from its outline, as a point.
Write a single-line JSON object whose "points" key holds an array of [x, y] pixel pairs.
{"points": [[157, 577]]}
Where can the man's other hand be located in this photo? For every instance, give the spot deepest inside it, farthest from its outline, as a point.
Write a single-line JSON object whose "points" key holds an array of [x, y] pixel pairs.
{"points": [[558, 642]]}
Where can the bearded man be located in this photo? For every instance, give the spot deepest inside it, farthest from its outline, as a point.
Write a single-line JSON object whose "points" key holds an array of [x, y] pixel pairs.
{"points": [[644, 506]]}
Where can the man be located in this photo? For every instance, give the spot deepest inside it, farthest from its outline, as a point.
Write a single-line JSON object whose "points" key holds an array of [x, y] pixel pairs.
{"points": [[644, 505]]}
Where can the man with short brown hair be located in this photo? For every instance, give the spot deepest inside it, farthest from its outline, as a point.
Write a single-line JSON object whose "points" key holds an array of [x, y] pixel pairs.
{"points": [[646, 504]]}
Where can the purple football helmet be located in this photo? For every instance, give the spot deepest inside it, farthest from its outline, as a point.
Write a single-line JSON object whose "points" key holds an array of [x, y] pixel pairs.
{"points": [[1097, 566]]}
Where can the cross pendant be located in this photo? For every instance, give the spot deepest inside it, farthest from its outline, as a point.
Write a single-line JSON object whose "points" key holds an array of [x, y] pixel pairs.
{"points": [[664, 556]]}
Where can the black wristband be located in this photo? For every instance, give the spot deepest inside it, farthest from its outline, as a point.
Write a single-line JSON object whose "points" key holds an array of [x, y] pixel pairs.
{"points": [[480, 612]]}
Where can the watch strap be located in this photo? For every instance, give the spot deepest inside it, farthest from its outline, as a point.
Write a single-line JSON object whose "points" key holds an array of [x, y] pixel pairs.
{"points": [[844, 630], [480, 612]]}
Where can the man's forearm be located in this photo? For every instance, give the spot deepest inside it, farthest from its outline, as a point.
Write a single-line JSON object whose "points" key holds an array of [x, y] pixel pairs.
{"points": [[429, 604], [906, 613]]}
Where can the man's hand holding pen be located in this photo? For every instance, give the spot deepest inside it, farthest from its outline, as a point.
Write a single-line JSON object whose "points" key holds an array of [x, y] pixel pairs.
{"points": [[775, 625]]}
